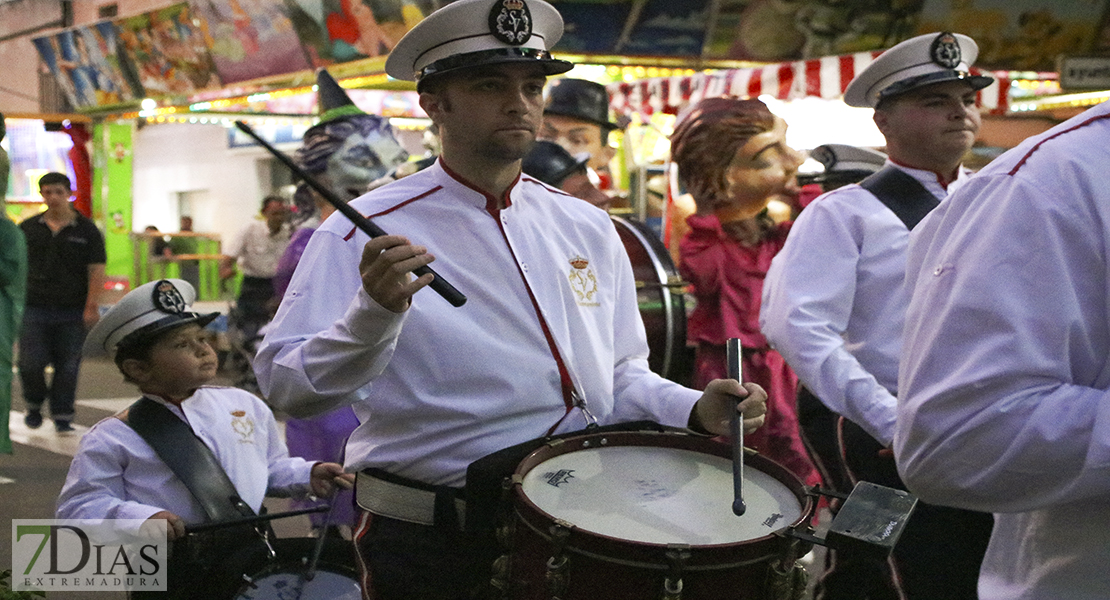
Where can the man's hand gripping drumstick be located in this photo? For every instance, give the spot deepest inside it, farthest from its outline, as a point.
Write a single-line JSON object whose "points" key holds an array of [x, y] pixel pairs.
{"points": [[386, 268]]}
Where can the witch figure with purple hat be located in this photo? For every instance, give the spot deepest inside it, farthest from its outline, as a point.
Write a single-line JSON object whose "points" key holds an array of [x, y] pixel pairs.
{"points": [[345, 151]]}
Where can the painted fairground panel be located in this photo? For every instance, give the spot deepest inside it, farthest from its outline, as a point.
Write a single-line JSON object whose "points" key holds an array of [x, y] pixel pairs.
{"points": [[89, 67], [337, 31], [1020, 35], [251, 38], [170, 51], [593, 27], [668, 28], [781, 30]]}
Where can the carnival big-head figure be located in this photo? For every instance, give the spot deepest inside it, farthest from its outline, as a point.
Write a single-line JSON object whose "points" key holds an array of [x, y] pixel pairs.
{"points": [[348, 148], [732, 157]]}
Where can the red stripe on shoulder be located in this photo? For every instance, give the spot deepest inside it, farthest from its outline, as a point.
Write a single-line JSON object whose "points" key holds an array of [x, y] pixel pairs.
{"points": [[1025, 158], [351, 233], [530, 179]]}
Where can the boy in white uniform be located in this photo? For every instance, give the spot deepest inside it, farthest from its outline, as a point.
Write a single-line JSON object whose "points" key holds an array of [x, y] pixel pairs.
{"points": [[159, 345]]}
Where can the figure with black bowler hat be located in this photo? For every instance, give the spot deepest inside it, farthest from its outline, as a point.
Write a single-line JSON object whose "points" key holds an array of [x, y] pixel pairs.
{"points": [[576, 116], [834, 303], [532, 351], [553, 165]]}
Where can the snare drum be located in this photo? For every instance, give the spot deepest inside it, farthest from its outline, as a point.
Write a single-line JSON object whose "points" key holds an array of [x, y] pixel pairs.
{"points": [[644, 514]]}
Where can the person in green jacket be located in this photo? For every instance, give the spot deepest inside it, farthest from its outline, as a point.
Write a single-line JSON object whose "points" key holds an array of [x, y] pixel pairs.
{"points": [[13, 291]]}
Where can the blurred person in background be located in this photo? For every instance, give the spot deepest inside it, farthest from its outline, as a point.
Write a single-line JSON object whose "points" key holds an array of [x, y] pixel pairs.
{"points": [[186, 245], [256, 251], [553, 165], [65, 277], [13, 292], [576, 116]]}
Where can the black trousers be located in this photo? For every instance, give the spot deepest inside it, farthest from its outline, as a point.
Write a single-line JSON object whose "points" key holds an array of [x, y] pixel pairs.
{"points": [[408, 561], [941, 548], [845, 576]]}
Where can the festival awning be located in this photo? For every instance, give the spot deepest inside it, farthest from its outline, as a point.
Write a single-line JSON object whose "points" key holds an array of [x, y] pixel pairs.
{"points": [[825, 77]]}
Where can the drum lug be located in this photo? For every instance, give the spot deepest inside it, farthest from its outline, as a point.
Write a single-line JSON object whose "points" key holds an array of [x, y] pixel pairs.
{"points": [[558, 573], [249, 581], [787, 579], [504, 534], [677, 555], [499, 578]]}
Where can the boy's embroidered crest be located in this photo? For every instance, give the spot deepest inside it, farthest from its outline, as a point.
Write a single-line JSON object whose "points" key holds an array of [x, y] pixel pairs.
{"points": [[243, 425], [583, 281], [167, 299]]}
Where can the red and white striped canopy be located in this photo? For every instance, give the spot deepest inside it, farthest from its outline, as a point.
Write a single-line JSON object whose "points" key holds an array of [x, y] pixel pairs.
{"points": [[825, 77]]}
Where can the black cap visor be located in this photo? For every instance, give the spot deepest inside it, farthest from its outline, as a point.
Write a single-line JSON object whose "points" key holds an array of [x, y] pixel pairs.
{"points": [[165, 324], [977, 82], [551, 66]]}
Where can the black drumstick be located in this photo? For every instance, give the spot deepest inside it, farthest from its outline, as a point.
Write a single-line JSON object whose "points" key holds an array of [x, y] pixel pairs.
{"points": [[438, 284], [201, 527], [736, 425]]}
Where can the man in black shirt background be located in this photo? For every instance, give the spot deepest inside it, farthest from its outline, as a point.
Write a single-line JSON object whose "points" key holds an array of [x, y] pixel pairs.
{"points": [[65, 275]]}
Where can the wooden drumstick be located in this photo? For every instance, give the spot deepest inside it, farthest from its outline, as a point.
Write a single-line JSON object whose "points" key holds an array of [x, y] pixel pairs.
{"points": [[736, 425], [439, 284]]}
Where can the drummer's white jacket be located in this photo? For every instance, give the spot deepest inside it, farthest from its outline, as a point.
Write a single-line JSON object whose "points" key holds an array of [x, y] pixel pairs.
{"points": [[117, 475], [437, 387], [833, 303], [1004, 399]]}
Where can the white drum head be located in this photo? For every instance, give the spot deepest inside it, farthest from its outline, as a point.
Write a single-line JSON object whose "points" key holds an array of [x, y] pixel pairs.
{"points": [[658, 495]]}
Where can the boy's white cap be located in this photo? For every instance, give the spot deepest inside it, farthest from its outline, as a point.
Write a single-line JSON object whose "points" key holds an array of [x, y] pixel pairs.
{"points": [[916, 62], [470, 33], [146, 310]]}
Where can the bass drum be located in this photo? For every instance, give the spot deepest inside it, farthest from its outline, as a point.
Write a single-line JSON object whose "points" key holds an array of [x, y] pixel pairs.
{"points": [[631, 516], [286, 577], [659, 292]]}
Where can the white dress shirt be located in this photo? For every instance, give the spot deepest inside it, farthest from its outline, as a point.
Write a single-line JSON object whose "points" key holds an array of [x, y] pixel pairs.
{"points": [[833, 302], [117, 475], [1004, 398], [258, 250], [437, 387]]}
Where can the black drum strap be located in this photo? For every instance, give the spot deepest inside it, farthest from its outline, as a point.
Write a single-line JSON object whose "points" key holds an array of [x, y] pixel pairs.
{"points": [[186, 455], [902, 194]]}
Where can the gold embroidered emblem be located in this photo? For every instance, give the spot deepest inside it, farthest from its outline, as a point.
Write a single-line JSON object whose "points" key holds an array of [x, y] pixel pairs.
{"points": [[243, 425], [583, 281]]}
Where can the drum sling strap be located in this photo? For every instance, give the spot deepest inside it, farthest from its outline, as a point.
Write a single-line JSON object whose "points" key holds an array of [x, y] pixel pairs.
{"points": [[189, 458], [902, 194]]}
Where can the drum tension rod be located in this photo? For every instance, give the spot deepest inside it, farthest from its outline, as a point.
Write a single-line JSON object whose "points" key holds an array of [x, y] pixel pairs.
{"points": [[812, 490]]}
